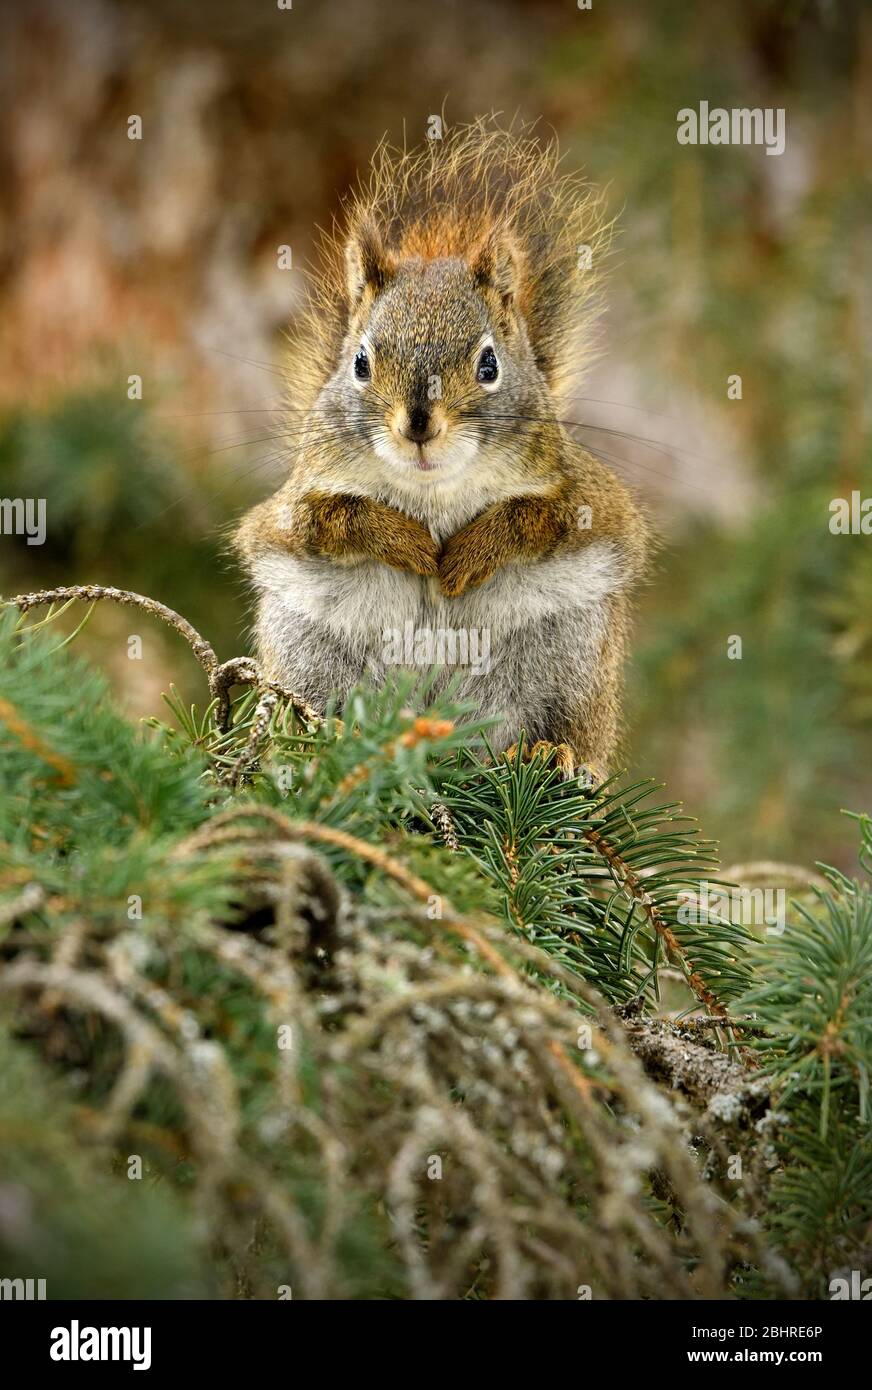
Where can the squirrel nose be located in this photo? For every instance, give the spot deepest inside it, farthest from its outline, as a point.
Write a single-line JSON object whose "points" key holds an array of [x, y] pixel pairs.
{"points": [[417, 426]]}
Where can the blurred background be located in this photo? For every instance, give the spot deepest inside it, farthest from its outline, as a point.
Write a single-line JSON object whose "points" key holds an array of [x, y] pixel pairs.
{"points": [[159, 258]]}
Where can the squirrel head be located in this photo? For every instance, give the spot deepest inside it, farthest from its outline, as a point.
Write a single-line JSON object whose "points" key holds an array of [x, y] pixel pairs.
{"points": [[437, 372], [451, 312]]}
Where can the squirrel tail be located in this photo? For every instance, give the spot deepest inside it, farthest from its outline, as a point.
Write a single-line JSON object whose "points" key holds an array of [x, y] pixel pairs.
{"points": [[478, 184]]}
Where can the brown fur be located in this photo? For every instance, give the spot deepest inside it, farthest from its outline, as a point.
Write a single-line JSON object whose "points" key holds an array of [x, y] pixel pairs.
{"points": [[350, 528], [347, 528], [531, 528]]}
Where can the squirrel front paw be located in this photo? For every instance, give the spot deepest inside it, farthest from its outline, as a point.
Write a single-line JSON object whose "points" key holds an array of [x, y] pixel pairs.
{"points": [[407, 545], [467, 560], [562, 753]]}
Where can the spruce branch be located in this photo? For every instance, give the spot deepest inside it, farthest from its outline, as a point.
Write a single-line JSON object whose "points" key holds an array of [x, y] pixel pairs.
{"points": [[634, 886], [30, 739]]}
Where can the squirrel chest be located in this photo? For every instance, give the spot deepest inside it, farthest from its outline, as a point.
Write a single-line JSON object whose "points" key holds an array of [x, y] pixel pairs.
{"points": [[362, 603]]}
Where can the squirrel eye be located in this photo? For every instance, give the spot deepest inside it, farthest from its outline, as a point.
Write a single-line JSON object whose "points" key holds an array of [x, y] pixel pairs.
{"points": [[488, 367], [361, 365]]}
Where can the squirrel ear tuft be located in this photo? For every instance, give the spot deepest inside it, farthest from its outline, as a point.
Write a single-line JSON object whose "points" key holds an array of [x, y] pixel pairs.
{"points": [[367, 263], [495, 265]]}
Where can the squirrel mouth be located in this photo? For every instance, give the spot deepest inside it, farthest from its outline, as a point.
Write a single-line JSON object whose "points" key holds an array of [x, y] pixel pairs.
{"points": [[423, 462]]}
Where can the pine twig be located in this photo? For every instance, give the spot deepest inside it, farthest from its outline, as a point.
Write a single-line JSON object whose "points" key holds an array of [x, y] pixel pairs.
{"points": [[626, 877], [240, 670]]}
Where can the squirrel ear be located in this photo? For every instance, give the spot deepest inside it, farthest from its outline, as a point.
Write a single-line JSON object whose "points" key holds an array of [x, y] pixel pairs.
{"points": [[495, 265], [367, 263]]}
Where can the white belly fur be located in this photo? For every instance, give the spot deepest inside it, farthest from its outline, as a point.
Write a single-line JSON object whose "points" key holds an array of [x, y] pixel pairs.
{"points": [[358, 603], [325, 627]]}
